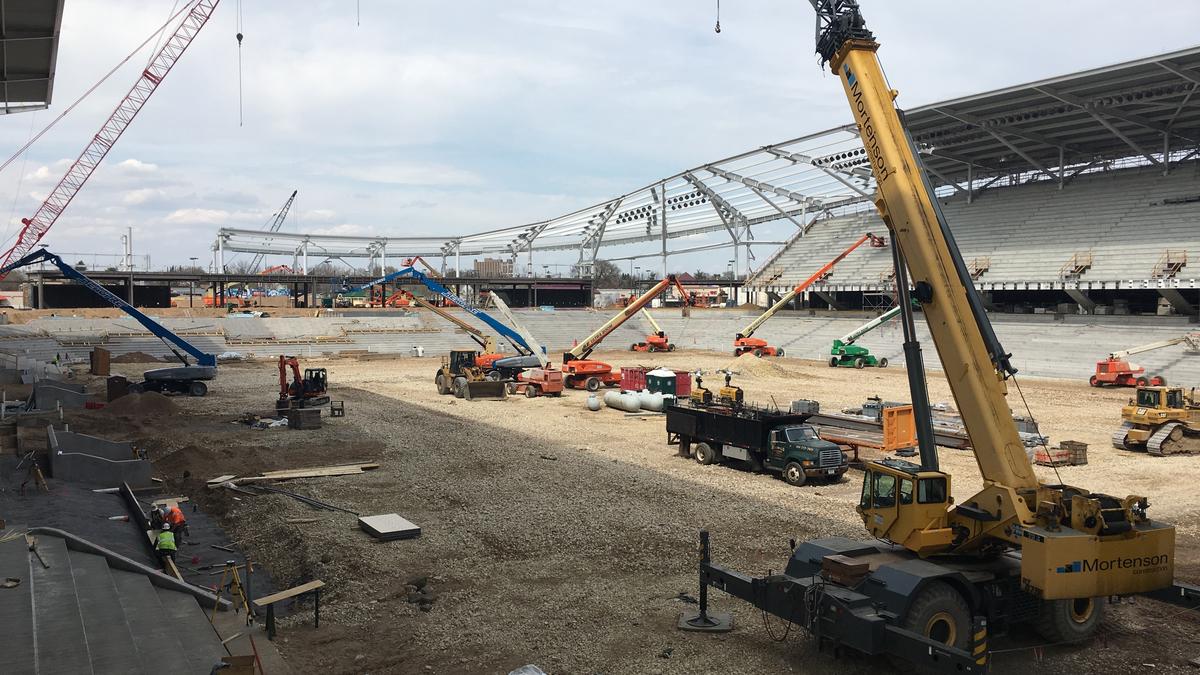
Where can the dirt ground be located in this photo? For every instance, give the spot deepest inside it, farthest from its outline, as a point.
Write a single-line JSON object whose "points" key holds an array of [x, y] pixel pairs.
{"points": [[566, 538]]}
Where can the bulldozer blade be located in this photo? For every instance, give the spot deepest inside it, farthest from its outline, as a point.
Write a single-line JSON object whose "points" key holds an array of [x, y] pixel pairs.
{"points": [[486, 389]]}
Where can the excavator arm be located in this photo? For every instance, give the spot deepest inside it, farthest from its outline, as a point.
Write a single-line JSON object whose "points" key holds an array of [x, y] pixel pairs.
{"points": [[817, 276]]}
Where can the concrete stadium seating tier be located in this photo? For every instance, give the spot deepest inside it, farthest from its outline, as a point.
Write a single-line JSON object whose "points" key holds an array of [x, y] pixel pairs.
{"points": [[1042, 346], [1029, 232]]}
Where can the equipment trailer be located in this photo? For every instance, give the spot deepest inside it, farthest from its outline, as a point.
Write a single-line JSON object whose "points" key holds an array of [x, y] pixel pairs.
{"points": [[940, 574]]}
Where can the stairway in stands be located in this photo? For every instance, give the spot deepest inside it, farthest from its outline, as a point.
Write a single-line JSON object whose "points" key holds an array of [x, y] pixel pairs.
{"points": [[81, 616]]}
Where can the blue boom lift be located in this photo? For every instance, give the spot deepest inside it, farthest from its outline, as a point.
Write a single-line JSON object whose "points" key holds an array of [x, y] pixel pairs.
{"points": [[186, 379]]}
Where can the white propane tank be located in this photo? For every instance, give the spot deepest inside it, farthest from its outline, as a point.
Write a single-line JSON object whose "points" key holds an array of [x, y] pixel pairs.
{"points": [[652, 401], [593, 402], [626, 402]]}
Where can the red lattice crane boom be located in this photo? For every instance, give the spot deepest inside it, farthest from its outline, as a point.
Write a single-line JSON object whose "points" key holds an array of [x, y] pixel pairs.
{"points": [[164, 59]]}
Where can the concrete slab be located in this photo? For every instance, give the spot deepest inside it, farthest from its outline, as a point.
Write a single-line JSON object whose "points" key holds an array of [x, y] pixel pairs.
{"points": [[389, 526]]}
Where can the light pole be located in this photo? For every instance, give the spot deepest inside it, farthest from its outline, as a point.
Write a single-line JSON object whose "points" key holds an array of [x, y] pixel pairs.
{"points": [[192, 284]]}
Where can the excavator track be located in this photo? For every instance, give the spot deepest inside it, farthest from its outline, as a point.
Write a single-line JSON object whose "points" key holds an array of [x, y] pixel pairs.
{"points": [[1172, 438], [1118, 436]]}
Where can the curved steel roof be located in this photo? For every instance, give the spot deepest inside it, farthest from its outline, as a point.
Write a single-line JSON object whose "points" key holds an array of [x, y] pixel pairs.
{"points": [[29, 31]]}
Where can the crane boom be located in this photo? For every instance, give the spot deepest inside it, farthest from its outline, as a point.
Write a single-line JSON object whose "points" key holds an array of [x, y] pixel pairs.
{"points": [[36, 226], [584, 348], [773, 309], [276, 223], [1191, 339], [509, 334], [157, 329]]}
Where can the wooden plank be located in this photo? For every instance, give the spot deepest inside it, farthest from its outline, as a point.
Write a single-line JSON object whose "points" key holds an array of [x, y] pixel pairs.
{"points": [[359, 465], [289, 593], [221, 479], [169, 501]]}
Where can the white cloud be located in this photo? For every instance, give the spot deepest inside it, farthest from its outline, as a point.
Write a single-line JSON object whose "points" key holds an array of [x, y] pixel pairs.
{"points": [[142, 196], [198, 217], [137, 166]]}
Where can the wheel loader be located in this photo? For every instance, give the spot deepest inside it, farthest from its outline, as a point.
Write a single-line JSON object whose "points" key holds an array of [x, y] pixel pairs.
{"points": [[1160, 421], [460, 376]]}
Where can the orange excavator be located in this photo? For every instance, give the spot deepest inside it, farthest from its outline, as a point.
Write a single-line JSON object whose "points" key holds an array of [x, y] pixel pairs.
{"points": [[744, 342], [307, 391], [584, 373]]}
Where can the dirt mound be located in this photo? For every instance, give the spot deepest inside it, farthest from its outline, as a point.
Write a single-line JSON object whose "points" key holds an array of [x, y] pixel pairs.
{"points": [[141, 406], [749, 365], [135, 357]]}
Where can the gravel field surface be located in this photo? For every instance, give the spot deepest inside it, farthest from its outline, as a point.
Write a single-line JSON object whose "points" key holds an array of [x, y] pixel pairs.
{"points": [[566, 538]]}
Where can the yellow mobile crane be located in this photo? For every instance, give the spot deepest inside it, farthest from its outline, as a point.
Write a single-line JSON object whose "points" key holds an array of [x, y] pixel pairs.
{"points": [[941, 573]]}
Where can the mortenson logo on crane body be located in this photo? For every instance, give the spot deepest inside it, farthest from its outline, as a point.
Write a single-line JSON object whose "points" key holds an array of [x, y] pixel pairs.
{"points": [[870, 141], [1138, 564]]}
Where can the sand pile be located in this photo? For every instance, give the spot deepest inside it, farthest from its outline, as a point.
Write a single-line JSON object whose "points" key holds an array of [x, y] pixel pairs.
{"points": [[135, 357], [749, 365], [141, 406]]}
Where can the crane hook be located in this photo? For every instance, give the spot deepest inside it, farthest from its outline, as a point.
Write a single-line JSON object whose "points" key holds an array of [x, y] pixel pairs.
{"points": [[718, 28]]}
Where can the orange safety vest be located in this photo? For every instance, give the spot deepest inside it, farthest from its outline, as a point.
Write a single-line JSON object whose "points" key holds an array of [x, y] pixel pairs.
{"points": [[175, 516]]}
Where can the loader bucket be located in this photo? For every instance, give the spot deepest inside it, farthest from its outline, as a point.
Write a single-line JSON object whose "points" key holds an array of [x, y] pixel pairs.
{"points": [[484, 389]]}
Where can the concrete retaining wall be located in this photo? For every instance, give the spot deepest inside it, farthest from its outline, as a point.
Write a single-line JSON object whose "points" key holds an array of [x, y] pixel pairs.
{"points": [[79, 458]]}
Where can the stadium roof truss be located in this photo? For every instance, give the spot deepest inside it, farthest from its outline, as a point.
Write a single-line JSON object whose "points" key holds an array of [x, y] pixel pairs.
{"points": [[1139, 112], [29, 33]]}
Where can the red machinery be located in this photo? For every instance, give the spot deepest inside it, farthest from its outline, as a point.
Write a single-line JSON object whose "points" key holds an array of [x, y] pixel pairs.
{"points": [[309, 391], [745, 343], [160, 65], [583, 373], [536, 382], [1116, 371], [656, 341]]}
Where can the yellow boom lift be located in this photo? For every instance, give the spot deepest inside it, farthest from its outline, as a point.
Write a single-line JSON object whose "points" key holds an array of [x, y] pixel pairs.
{"points": [[940, 573]]}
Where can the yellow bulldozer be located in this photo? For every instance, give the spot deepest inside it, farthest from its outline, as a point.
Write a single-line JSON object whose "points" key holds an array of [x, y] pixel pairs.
{"points": [[1160, 421], [459, 375]]}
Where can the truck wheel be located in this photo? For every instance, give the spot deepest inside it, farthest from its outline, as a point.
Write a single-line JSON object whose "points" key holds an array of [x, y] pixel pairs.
{"points": [[779, 352], [1094, 381], [705, 454], [793, 474], [758, 353], [443, 386], [197, 388], [940, 613], [670, 347], [633, 347], [494, 375], [883, 362], [860, 362], [834, 361], [592, 384], [1142, 382], [530, 391], [1070, 620], [459, 386], [1158, 381]]}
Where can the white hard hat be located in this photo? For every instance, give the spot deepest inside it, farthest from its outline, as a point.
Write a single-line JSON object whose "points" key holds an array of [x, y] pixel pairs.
{"points": [[166, 526]]}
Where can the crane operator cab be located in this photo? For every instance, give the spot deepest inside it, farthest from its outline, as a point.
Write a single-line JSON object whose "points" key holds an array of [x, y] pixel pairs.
{"points": [[898, 498]]}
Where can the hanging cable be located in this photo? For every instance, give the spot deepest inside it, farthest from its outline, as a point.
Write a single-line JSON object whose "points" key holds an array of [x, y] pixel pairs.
{"points": [[17, 193], [718, 28], [93, 88], [358, 12], [174, 6], [241, 119]]}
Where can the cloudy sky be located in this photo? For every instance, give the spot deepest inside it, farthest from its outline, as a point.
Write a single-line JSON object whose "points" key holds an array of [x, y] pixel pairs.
{"points": [[455, 117]]}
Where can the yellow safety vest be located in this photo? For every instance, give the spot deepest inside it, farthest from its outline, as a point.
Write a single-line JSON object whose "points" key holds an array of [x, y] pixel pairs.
{"points": [[166, 541]]}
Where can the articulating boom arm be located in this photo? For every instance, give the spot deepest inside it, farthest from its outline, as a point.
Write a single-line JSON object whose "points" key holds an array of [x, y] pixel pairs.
{"points": [[589, 343], [849, 338], [538, 350], [653, 324], [412, 273], [817, 276], [151, 325], [975, 364], [1192, 340]]}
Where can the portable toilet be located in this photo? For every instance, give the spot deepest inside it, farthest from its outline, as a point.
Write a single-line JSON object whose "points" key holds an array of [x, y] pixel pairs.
{"points": [[661, 381]]}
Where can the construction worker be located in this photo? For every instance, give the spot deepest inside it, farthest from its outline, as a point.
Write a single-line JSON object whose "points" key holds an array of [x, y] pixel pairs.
{"points": [[178, 522], [165, 545]]}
